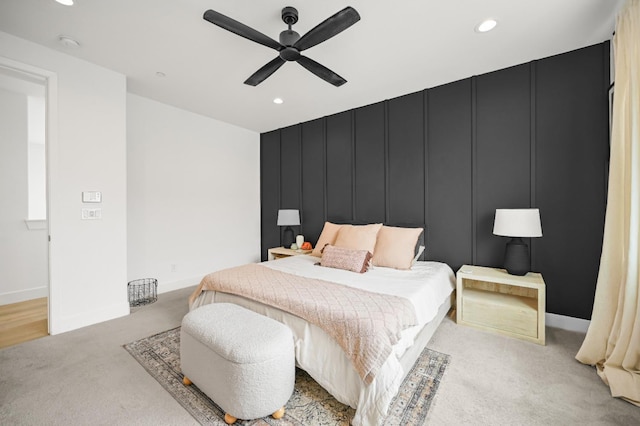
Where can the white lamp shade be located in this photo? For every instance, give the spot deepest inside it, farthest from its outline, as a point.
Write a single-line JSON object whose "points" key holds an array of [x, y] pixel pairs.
{"points": [[288, 217], [517, 223]]}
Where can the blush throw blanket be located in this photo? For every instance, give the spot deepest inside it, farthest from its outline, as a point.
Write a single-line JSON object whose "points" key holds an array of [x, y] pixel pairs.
{"points": [[365, 324]]}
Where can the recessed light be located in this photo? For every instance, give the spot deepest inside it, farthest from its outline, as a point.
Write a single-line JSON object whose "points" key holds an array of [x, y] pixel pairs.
{"points": [[66, 2], [68, 42], [278, 101], [486, 25]]}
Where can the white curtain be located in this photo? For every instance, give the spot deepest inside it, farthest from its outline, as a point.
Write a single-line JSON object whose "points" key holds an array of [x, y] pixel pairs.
{"points": [[612, 342]]}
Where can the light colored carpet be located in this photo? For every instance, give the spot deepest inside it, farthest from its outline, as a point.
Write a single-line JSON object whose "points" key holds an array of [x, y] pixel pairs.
{"points": [[85, 377], [498, 380]]}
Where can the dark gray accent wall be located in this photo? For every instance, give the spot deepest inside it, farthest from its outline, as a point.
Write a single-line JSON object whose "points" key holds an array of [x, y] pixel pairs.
{"points": [[370, 157], [571, 152], [533, 135], [269, 190], [449, 216]]}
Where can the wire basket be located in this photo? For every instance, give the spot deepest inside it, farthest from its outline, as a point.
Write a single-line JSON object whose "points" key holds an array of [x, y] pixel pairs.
{"points": [[143, 291]]}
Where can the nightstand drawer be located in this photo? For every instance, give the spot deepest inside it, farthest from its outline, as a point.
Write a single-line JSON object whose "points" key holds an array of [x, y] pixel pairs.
{"points": [[506, 312]]}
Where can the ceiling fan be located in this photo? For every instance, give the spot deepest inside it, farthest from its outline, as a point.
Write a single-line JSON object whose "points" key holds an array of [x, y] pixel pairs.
{"points": [[291, 44]]}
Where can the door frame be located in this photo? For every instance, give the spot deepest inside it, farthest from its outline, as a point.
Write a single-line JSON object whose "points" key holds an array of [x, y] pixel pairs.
{"points": [[51, 147]]}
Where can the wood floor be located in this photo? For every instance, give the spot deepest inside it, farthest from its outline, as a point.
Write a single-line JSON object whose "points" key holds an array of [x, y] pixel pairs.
{"points": [[23, 321]]}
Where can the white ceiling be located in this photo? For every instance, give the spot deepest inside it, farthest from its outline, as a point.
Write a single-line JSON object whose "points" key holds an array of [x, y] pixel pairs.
{"points": [[397, 48]]}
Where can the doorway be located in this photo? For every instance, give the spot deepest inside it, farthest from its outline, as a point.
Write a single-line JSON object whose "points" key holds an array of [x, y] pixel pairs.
{"points": [[24, 231]]}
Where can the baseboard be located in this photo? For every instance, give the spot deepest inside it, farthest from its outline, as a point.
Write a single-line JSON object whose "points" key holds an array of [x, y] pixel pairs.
{"points": [[180, 284], [61, 325], [64, 324], [22, 295], [567, 323]]}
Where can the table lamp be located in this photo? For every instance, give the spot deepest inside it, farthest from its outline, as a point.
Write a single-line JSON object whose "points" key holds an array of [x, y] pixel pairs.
{"points": [[288, 218], [518, 224]]}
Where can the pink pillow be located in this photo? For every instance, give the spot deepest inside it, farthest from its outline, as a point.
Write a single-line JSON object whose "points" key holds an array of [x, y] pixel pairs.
{"points": [[347, 259], [358, 237], [327, 236], [395, 247]]}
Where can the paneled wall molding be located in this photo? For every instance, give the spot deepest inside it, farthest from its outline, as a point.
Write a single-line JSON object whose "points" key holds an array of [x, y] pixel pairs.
{"points": [[324, 168], [354, 208], [474, 170], [532, 135], [386, 162], [532, 155], [425, 162], [300, 176]]}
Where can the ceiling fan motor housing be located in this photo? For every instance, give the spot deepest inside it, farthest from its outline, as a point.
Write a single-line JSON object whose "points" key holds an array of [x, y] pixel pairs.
{"points": [[288, 37], [290, 54]]}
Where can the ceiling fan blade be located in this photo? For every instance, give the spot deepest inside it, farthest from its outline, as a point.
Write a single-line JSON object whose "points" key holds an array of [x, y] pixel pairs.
{"points": [[264, 72], [240, 29], [328, 28], [321, 71]]}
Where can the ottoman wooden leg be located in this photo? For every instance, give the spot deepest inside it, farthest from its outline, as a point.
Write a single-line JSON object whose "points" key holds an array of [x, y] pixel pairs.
{"points": [[186, 381], [229, 419], [278, 414]]}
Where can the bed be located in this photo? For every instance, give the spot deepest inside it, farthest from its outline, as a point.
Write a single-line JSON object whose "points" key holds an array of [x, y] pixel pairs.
{"points": [[427, 286]]}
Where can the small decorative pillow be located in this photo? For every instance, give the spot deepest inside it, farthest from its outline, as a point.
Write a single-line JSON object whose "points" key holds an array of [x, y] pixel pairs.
{"points": [[347, 259]]}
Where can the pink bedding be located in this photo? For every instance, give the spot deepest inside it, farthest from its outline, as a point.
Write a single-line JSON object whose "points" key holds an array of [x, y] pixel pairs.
{"points": [[365, 324]]}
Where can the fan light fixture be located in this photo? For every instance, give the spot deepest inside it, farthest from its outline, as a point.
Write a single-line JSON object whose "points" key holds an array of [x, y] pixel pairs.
{"points": [[290, 44], [486, 25]]}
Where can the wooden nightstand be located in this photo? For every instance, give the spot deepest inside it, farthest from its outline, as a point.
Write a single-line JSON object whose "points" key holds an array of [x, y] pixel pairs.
{"points": [[280, 252], [493, 300]]}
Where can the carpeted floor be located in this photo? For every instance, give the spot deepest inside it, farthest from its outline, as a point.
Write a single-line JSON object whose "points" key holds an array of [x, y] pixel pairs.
{"points": [[85, 377], [310, 404]]}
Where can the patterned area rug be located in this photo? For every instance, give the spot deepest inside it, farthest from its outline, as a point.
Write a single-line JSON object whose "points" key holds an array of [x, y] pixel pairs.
{"points": [[309, 405]]}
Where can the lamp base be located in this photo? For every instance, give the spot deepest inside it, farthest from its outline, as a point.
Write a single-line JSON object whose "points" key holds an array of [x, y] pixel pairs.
{"points": [[516, 257], [287, 237]]}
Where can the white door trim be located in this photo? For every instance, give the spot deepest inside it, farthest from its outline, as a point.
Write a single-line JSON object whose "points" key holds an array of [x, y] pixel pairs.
{"points": [[51, 93]]}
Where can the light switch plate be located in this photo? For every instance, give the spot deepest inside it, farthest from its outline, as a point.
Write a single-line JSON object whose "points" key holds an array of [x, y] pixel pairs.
{"points": [[91, 197], [91, 214]]}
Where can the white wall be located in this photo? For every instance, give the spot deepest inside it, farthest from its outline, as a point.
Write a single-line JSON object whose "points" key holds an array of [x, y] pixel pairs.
{"points": [[87, 152], [193, 194], [23, 252]]}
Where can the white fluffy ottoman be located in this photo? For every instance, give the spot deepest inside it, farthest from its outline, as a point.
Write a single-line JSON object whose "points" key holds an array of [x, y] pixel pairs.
{"points": [[243, 361]]}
